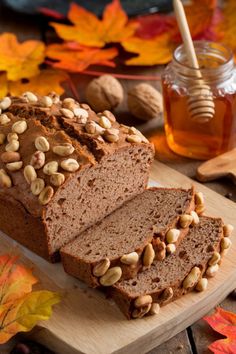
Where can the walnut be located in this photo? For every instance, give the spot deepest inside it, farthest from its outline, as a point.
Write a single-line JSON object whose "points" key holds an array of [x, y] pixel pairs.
{"points": [[104, 93], [145, 102]]}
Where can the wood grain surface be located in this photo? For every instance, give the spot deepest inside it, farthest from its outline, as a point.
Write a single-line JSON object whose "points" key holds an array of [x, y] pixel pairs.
{"points": [[86, 322]]}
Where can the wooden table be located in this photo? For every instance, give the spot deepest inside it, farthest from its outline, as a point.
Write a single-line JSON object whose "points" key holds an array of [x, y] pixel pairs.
{"points": [[196, 338]]}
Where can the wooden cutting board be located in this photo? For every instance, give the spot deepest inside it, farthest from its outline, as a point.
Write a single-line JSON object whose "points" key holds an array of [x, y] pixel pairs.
{"points": [[85, 322]]}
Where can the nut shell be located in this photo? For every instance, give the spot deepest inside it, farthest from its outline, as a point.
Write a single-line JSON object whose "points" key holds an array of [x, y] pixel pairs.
{"points": [[145, 102], [104, 93]]}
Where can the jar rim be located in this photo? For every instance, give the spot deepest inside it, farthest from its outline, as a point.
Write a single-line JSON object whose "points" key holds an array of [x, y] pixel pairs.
{"points": [[203, 44]]}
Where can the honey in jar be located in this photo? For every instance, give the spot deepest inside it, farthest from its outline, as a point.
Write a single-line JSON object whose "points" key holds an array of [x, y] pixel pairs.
{"points": [[200, 139]]}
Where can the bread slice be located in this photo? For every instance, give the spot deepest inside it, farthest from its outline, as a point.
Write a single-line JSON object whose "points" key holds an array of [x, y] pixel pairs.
{"points": [[196, 257], [129, 238]]}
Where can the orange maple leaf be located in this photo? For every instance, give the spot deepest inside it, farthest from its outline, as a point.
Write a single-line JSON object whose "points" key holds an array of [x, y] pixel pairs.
{"points": [[20, 60], [153, 51], [223, 322], [15, 280], [76, 58], [87, 29]]}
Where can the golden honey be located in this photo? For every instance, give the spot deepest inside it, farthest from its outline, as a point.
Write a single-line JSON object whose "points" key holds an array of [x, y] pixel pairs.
{"points": [[197, 139]]}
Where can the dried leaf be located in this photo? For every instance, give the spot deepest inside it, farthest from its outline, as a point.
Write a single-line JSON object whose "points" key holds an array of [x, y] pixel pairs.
{"points": [[76, 58], [20, 60], [15, 280], [23, 314], [223, 322], [151, 52], [87, 29], [48, 80]]}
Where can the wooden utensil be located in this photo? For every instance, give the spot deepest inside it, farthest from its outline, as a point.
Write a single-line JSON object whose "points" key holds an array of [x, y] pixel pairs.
{"points": [[220, 166], [200, 103]]}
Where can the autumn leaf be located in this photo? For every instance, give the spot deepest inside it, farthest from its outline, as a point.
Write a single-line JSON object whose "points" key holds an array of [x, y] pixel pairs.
{"points": [[3, 85], [15, 280], [150, 52], [223, 322], [151, 26], [20, 60], [76, 58], [46, 81], [87, 29], [23, 314]]}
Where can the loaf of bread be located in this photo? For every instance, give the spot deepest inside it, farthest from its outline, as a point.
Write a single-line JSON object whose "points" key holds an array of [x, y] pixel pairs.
{"points": [[64, 168], [195, 260], [128, 240]]}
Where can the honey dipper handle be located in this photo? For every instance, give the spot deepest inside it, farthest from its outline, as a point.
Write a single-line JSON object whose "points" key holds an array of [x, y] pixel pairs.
{"points": [[186, 35]]}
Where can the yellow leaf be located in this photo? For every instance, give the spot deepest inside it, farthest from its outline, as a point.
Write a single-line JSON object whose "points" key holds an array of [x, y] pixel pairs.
{"points": [[20, 60], [3, 85], [23, 315], [48, 80], [151, 52]]}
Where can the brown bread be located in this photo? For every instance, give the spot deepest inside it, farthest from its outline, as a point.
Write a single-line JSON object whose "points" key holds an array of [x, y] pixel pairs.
{"points": [[166, 281], [105, 169], [128, 235]]}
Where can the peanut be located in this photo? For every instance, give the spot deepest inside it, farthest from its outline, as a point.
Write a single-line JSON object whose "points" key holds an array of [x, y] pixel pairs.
{"points": [[68, 102], [13, 145], [101, 268], [212, 270], [14, 166], [142, 311], [225, 243], [155, 309], [111, 135], [170, 248], [185, 220], [192, 278], [195, 217], [46, 195], [199, 198], [214, 259], [63, 150], [67, 113], [4, 119], [37, 185], [38, 160], [12, 136], [31, 97], [70, 165], [94, 128], [50, 168], [228, 229], [200, 209], [142, 301], [134, 139], [149, 255], [57, 179], [172, 235], [104, 122], [19, 127], [46, 101], [202, 284], [161, 251], [5, 180], [42, 144], [130, 258], [81, 113], [30, 174], [10, 156], [111, 276], [109, 115], [167, 294], [5, 103]]}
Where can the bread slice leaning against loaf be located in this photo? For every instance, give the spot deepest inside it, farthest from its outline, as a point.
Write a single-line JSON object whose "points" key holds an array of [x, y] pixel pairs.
{"points": [[196, 259], [128, 240], [63, 168]]}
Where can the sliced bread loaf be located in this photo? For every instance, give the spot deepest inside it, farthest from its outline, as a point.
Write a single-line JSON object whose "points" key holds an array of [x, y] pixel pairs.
{"points": [[128, 240], [196, 259]]}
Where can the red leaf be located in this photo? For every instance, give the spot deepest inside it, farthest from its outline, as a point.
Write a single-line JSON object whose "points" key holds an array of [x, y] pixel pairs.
{"points": [[153, 25]]}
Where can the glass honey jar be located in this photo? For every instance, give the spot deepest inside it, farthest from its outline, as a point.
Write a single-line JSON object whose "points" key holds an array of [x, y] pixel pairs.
{"points": [[200, 139]]}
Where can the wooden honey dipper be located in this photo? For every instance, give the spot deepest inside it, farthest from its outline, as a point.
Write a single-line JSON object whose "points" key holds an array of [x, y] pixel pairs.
{"points": [[200, 102]]}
